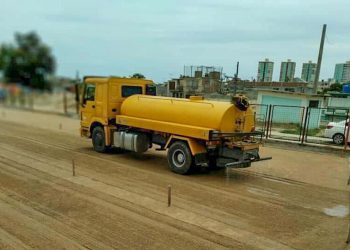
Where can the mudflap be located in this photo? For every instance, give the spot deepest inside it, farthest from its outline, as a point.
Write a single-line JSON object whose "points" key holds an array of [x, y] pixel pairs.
{"points": [[201, 159]]}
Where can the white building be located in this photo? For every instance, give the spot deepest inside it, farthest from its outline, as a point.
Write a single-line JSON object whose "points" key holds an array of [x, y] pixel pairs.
{"points": [[308, 72], [265, 71], [342, 72], [287, 71]]}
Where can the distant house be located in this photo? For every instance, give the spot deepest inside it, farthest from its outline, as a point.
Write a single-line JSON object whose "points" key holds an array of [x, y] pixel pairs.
{"points": [[162, 89], [186, 86], [338, 104], [297, 87], [290, 107], [339, 100]]}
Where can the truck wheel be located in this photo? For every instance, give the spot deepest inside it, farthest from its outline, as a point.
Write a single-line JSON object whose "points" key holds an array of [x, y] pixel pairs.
{"points": [[98, 139], [180, 158]]}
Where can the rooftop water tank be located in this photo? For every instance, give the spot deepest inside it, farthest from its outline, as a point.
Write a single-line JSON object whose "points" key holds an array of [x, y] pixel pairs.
{"points": [[346, 88]]}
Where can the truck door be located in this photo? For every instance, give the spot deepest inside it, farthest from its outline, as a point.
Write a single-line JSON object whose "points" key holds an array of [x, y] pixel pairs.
{"points": [[101, 100], [88, 106]]}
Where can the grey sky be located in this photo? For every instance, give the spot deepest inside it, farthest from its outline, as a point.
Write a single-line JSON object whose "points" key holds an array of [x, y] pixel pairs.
{"points": [[157, 38]]}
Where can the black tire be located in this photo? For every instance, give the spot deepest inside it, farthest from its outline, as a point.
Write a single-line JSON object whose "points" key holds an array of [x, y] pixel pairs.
{"points": [[339, 139], [180, 159], [98, 140]]}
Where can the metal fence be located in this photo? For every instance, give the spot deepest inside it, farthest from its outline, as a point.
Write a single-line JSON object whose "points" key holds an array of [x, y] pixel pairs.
{"points": [[323, 124], [57, 101], [261, 114], [286, 122], [328, 126]]}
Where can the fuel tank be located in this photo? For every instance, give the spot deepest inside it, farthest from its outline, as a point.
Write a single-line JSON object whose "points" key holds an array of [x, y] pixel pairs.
{"points": [[193, 112]]}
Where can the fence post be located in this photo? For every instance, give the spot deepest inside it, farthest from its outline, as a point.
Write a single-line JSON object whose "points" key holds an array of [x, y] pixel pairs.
{"points": [[169, 195], [268, 121], [306, 116], [65, 108], [347, 123], [76, 87], [31, 99]]}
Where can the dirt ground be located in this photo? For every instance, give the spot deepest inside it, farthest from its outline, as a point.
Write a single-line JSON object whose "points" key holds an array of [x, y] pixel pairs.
{"points": [[298, 200]]}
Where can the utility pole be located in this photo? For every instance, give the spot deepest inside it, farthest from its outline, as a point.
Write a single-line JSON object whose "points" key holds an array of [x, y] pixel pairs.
{"points": [[319, 60], [76, 87], [236, 79]]}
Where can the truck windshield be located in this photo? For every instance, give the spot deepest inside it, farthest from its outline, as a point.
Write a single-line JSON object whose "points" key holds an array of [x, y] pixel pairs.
{"points": [[131, 90], [151, 90], [89, 94]]}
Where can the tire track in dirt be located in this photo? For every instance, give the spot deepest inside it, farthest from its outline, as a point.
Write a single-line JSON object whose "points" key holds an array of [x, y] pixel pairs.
{"points": [[8, 241], [32, 233], [50, 219], [115, 218], [177, 213]]}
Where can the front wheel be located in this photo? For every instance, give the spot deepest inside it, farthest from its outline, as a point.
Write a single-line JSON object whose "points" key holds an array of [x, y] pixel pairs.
{"points": [[180, 159], [98, 140], [338, 139]]}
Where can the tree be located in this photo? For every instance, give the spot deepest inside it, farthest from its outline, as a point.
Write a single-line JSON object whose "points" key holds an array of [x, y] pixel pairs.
{"points": [[138, 75], [336, 87], [28, 61]]}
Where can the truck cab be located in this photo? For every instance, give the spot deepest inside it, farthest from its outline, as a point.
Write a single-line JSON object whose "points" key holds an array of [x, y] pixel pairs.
{"points": [[102, 97]]}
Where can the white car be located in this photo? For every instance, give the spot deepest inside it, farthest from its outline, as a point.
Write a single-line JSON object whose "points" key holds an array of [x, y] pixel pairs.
{"points": [[337, 131]]}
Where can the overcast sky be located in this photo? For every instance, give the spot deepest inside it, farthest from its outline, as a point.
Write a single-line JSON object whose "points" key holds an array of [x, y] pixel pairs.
{"points": [[158, 37]]}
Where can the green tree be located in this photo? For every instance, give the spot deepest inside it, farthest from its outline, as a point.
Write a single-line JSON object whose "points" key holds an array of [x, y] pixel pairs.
{"points": [[138, 75], [337, 87], [28, 61]]}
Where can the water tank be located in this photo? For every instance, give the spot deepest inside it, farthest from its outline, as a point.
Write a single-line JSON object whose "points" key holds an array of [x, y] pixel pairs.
{"points": [[220, 116], [346, 88]]}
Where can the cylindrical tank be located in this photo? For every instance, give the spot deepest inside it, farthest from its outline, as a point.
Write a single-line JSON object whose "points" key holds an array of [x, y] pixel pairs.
{"points": [[215, 115], [346, 88]]}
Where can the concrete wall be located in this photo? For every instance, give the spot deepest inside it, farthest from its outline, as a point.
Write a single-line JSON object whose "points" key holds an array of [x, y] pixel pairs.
{"points": [[291, 108], [339, 102], [286, 114]]}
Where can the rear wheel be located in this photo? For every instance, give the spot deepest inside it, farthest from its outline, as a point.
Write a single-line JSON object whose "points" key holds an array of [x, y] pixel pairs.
{"points": [[180, 159], [98, 139], [338, 139]]}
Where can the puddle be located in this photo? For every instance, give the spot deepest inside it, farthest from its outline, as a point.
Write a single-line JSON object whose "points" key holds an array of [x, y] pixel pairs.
{"points": [[337, 211]]}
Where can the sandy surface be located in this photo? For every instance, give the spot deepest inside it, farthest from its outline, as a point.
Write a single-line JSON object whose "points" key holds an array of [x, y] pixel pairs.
{"points": [[297, 200]]}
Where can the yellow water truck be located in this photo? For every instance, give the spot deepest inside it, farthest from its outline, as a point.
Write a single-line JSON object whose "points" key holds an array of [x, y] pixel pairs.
{"points": [[125, 113]]}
